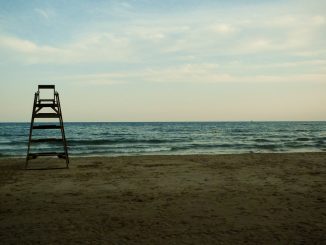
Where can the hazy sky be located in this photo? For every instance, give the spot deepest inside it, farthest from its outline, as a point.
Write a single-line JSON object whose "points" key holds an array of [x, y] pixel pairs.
{"points": [[171, 60]]}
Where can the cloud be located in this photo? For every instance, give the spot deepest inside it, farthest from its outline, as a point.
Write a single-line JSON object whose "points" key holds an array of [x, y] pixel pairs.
{"points": [[186, 47], [25, 46], [189, 73], [96, 79], [222, 28], [43, 13], [191, 35], [20, 50], [318, 20], [93, 48]]}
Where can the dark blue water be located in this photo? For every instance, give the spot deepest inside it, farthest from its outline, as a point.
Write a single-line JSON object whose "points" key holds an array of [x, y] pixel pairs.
{"points": [[113, 139]]}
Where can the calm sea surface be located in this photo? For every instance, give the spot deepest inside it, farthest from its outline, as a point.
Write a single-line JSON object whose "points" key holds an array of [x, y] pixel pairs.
{"points": [[112, 139]]}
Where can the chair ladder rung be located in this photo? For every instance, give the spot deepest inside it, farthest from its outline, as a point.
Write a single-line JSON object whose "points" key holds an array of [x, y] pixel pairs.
{"points": [[46, 105], [43, 154], [46, 115], [47, 127], [46, 140]]}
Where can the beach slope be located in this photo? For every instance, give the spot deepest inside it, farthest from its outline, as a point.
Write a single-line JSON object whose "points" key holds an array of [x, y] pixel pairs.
{"points": [[193, 199]]}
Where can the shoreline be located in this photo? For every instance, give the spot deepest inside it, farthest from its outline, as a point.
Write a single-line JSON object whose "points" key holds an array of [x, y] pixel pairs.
{"points": [[175, 155], [255, 198]]}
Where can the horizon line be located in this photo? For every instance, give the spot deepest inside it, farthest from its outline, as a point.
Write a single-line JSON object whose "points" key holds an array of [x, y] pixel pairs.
{"points": [[190, 121]]}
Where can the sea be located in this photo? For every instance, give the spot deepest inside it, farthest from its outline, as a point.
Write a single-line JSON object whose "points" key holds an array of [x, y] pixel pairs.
{"points": [[168, 138]]}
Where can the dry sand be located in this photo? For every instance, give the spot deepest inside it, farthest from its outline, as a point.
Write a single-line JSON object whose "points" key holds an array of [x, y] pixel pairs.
{"points": [[195, 199]]}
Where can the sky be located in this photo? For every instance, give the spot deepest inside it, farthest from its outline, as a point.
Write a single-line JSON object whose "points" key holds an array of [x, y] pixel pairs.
{"points": [[172, 60]]}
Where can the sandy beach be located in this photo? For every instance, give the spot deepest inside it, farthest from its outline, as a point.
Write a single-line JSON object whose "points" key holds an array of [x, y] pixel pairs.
{"points": [[193, 199]]}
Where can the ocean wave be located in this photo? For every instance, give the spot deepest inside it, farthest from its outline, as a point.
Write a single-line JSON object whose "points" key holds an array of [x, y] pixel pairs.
{"points": [[266, 146], [262, 140], [297, 145], [207, 146], [121, 151], [320, 144], [119, 141], [302, 139], [171, 138]]}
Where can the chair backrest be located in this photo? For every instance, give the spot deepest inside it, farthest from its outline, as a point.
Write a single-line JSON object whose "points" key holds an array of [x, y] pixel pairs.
{"points": [[47, 94]]}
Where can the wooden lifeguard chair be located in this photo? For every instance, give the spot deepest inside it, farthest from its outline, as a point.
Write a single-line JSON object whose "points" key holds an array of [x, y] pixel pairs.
{"points": [[53, 102]]}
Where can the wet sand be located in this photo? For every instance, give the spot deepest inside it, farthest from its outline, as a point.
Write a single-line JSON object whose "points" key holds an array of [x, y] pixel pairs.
{"points": [[194, 199]]}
